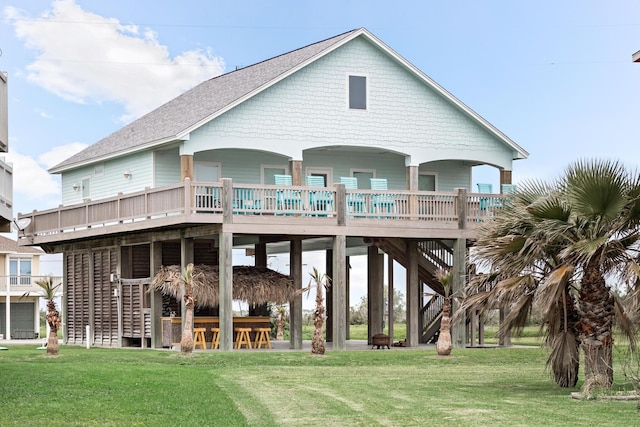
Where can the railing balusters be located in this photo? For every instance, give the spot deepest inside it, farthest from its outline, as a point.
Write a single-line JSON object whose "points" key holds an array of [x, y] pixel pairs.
{"points": [[453, 210]]}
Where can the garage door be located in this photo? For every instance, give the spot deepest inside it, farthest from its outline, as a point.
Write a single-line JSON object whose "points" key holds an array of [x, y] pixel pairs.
{"points": [[21, 316]]}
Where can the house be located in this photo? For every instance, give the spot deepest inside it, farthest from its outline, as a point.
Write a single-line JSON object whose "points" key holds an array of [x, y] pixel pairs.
{"points": [[19, 295], [6, 170], [341, 146]]}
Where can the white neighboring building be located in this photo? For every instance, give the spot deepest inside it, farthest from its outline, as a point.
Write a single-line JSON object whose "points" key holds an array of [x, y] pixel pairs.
{"points": [[20, 297]]}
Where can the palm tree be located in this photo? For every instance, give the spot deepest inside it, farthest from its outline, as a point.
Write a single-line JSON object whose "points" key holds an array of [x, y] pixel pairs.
{"points": [[53, 316], [186, 343], [281, 315], [553, 245], [443, 346], [320, 282]]}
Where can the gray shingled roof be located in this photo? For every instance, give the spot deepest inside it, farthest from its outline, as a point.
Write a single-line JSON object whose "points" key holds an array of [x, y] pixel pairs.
{"points": [[11, 246], [169, 121]]}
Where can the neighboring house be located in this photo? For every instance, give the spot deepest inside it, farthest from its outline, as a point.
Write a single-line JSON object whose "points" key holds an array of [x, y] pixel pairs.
{"points": [[6, 170], [233, 163], [19, 295]]}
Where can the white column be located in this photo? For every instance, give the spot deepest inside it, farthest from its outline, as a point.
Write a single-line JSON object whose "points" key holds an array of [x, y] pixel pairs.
{"points": [[7, 305]]}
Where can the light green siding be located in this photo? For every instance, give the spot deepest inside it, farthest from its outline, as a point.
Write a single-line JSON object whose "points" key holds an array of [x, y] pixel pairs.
{"points": [[112, 180], [309, 109], [167, 167]]}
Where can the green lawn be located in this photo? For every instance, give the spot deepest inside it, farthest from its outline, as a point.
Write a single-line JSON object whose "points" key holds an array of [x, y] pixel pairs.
{"points": [[397, 387]]}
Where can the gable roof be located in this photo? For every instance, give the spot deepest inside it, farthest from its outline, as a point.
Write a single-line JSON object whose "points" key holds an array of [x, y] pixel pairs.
{"points": [[10, 246], [175, 119]]}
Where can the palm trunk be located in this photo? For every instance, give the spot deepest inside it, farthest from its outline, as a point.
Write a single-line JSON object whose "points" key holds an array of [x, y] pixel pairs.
{"points": [[444, 345], [186, 343], [597, 315], [53, 319], [317, 342]]}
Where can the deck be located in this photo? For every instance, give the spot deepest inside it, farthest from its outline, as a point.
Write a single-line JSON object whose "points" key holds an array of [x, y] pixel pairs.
{"points": [[267, 209]]}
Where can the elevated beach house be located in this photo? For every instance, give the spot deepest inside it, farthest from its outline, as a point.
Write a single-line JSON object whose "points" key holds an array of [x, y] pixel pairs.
{"points": [[341, 146]]}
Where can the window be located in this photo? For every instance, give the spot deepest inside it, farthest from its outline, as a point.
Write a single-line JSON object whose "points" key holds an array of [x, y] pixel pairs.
{"points": [[427, 182], [363, 178], [207, 171], [20, 271], [357, 92], [269, 171], [98, 170]]}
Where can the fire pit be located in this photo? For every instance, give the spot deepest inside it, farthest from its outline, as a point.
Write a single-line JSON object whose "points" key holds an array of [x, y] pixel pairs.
{"points": [[380, 340]]}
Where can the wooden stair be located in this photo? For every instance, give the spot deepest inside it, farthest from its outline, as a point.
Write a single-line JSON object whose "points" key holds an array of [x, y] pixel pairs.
{"points": [[433, 256]]}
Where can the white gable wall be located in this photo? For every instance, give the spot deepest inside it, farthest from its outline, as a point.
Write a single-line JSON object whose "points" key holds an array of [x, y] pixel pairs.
{"points": [[309, 109]]}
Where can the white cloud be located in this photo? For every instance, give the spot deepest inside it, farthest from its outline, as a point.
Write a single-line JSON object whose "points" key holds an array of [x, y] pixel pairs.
{"points": [[33, 186], [88, 58], [58, 154]]}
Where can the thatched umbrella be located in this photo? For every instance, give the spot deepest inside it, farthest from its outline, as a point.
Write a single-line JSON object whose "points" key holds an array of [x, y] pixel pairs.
{"points": [[256, 285]]}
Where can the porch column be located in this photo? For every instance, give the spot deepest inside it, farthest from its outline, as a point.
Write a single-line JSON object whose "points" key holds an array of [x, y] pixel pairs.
{"points": [[156, 296], [225, 289], [339, 298], [505, 178], [295, 166], [459, 328], [329, 295], [186, 167], [295, 311], [375, 290], [412, 185], [347, 301], [260, 257], [413, 294], [390, 298], [7, 304]]}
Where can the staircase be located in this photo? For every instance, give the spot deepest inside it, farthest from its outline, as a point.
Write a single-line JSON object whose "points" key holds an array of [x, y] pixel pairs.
{"points": [[434, 256]]}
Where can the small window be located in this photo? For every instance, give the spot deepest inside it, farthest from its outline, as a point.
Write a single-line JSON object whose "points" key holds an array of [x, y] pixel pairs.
{"points": [[98, 170], [357, 92], [427, 182]]}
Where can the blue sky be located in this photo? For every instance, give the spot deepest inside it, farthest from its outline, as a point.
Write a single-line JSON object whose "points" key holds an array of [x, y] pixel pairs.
{"points": [[556, 77]]}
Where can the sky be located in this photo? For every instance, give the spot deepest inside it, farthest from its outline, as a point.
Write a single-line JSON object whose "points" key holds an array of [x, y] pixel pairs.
{"points": [[554, 76]]}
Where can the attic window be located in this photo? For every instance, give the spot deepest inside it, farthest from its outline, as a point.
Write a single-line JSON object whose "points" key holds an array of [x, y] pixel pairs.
{"points": [[357, 93]]}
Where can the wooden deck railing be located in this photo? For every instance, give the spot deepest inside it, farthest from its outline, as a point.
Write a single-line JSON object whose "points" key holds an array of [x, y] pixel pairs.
{"points": [[227, 199]]}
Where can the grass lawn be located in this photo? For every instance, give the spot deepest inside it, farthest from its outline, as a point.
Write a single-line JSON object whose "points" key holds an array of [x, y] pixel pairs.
{"points": [[397, 387]]}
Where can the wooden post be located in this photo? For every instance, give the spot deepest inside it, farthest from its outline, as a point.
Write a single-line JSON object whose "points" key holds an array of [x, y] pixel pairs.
{"points": [[295, 312], [413, 294], [156, 297], [390, 301], [412, 185], [225, 260], [296, 172], [329, 295], [375, 290], [458, 329], [227, 201], [339, 292], [461, 207], [186, 166]]}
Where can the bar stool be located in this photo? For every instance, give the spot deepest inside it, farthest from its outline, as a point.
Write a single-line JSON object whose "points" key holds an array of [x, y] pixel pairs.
{"points": [[199, 340], [262, 337], [243, 337], [215, 340]]}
